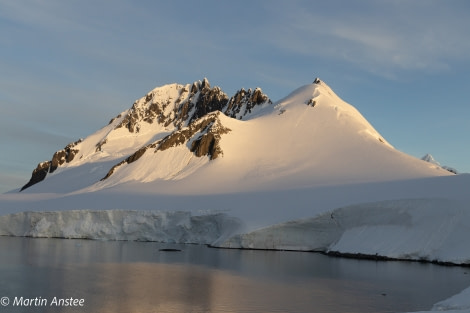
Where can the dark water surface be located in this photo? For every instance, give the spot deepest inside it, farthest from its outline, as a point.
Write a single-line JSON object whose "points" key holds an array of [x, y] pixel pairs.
{"points": [[110, 276]]}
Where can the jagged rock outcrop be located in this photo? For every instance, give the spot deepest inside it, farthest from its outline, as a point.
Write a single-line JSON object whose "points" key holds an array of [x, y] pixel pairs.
{"points": [[204, 135], [190, 105], [132, 158], [244, 101], [65, 155], [60, 157], [208, 100], [39, 173]]}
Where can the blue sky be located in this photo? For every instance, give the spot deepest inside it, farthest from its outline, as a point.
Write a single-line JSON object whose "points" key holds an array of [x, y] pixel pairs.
{"points": [[68, 67]]}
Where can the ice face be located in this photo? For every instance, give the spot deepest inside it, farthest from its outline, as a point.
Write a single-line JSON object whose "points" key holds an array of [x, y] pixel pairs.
{"points": [[179, 226]]}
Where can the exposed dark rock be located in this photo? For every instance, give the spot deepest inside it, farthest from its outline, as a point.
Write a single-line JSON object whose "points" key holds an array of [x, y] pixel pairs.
{"points": [[209, 129], [207, 143], [111, 171], [114, 118], [188, 107], [130, 120], [132, 158], [38, 175], [450, 169], [57, 159], [100, 144], [312, 102], [175, 139], [65, 155], [244, 101], [209, 100], [136, 155], [194, 87], [202, 99], [60, 157]]}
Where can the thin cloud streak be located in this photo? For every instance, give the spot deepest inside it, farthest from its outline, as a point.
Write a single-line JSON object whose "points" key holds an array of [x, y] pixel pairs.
{"points": [[374, 41]]}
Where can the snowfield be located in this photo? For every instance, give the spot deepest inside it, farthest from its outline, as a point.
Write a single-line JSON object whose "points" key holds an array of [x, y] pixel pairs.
{"points": [[424, 219], [306, 173]]}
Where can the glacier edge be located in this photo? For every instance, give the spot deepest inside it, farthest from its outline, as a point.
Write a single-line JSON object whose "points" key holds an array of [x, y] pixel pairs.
{"points": [[429, 229]]}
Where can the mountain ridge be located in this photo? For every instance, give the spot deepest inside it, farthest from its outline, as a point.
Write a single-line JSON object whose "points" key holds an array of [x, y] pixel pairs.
{"points": [[176, 131]]}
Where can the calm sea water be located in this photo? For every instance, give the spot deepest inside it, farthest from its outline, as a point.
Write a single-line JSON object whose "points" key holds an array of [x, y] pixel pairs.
{"points": [[58, 275]]}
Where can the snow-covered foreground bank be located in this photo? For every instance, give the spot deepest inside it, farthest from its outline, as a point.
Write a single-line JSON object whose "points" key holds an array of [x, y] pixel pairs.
{"points": [[460, 303], [425, 219]]}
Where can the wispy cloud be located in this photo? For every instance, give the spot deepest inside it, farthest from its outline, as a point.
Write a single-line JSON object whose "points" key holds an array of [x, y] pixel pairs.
{"points": [[383, 37]]}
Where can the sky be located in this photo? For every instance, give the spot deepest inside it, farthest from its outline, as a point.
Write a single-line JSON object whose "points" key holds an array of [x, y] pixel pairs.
{"points": [[68, 67]]}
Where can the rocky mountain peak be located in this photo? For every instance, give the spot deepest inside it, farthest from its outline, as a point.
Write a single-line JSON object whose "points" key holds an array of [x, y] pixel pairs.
{"points": [[205, 84], [190, 112], [244, 101], [179, 105]]}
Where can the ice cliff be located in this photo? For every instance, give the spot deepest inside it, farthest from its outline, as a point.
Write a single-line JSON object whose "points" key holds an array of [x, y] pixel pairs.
{"points": [[413, 229], [175, 227]]}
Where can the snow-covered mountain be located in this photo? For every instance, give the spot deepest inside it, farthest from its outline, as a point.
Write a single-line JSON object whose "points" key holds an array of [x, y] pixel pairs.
{"points": [[429, 158], [167, 117], [193, 138]]}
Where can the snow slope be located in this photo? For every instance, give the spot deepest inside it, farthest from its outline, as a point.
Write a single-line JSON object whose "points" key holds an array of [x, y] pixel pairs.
{"points": [[292, 144]]}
